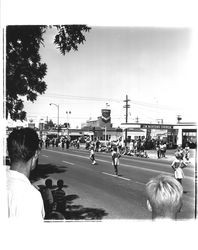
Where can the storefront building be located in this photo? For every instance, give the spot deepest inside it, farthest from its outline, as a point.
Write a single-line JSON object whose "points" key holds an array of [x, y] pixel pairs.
{"points": [[172, 134], [186, 134]]}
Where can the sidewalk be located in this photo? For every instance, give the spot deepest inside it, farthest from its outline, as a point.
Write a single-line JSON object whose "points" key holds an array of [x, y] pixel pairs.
{"points": [[153, 155], [170, 155]]}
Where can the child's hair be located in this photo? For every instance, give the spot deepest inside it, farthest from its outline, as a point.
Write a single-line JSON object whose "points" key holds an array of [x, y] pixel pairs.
{"points": [[48, 183], [164, 194], [178, 155], [60, 183]]}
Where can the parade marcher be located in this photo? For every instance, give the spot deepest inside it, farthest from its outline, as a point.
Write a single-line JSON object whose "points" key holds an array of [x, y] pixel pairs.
{"points": [[164, 149], [108, 147], [180, 150], [87, 143], [161, 149], [120, 145], [63, 143], [164, 197], [187, 152], [41, 143], [78, 144], [46, 142], [56, 142], [115, 159], [158, 149], [97, 145], [67, 143], [92, 155], [24, 200], [177, 165]]}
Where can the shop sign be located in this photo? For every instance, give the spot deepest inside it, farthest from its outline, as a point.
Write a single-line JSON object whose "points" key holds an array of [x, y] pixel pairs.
{"points": [[156, 126], [106, 115]]}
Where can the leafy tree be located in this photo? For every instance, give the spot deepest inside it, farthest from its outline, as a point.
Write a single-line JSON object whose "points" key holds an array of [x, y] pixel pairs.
{"points": [[24, 70], [49, 124]]}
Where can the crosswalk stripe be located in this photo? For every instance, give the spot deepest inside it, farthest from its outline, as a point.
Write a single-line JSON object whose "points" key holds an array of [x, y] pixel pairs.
{"points": [[117, 176], [68, 162]]}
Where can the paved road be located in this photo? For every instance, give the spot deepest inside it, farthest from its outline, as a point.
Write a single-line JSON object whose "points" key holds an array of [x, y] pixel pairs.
{"points": [[94, 192]]}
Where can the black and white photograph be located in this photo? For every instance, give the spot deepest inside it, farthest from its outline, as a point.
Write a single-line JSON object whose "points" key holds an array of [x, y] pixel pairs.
{"points": [[99, 123]]}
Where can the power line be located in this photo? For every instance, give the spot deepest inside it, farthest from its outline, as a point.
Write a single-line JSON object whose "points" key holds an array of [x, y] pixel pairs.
{"points": [[105, 99], [85, 98]]}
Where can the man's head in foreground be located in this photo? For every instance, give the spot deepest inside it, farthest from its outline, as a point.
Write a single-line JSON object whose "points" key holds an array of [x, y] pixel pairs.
{"points": [[23, 148]]}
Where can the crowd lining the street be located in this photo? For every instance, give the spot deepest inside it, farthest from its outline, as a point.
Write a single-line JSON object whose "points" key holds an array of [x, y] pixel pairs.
{"points": [[136, 147], [25, 201]]}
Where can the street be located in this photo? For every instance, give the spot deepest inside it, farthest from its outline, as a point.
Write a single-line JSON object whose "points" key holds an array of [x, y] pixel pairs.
{"points": [[94, 192]]}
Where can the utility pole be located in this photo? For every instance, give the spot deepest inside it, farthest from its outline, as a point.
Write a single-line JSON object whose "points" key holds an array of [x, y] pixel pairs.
{"points": [[57, 118], [127, 106]]}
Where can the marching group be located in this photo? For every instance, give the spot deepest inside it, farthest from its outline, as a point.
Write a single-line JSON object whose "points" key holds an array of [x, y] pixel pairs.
{"points": [[164, 192], [181, 161], [136, 147], [63, 142]]}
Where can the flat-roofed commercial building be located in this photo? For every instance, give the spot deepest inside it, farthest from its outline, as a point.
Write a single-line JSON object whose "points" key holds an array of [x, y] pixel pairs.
{"points": [[173, 134]]}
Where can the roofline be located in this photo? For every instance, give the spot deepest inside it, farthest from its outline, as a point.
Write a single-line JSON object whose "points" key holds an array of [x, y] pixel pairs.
{"points": [[164, 124]]}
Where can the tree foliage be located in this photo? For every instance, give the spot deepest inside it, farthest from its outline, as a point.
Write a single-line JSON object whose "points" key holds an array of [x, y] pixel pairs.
{"points": [[24, 71], [69, 36], [49, 124]]}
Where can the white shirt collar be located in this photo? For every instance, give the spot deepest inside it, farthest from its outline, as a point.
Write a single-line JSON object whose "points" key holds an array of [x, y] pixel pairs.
{"points": [[17, 175]]}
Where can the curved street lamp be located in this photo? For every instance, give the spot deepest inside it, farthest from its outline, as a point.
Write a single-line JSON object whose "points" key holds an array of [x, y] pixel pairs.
{"points": [[57, 118], [68, 125], [68, 113]]}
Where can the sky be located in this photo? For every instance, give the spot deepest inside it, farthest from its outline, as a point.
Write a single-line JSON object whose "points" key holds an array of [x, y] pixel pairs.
{"points": [[151, 65]]}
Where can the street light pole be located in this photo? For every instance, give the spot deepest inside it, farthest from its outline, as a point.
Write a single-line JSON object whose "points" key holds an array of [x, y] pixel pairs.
{"points": [[68, 125], [57, 118], [105, 135], [68, 113], [127, 106]]}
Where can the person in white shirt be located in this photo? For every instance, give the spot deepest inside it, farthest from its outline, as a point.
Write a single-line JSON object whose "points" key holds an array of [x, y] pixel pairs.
{"points": [[187, 153], [92, 155], [24, 200], [164, 197], [115, 159], [177, 165], [131, 147]]}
